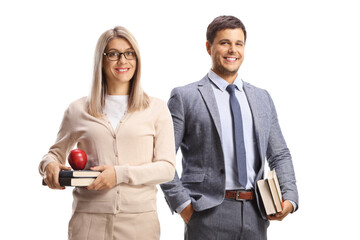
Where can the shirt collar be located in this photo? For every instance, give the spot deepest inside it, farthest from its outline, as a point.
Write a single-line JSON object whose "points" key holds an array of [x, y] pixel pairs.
{"points": [[220, 83]]}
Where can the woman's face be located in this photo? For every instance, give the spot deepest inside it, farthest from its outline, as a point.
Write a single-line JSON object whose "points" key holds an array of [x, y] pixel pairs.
{"points": [[122, 70]]}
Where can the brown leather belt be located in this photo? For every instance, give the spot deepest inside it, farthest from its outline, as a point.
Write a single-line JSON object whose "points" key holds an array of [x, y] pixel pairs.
{"points": [[240, 195]]}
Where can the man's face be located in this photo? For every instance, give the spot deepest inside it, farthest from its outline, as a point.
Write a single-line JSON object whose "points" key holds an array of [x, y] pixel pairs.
{"points": [[227, 52]]}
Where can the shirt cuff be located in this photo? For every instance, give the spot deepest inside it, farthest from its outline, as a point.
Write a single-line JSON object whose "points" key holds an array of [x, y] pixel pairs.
{"points": [[294, 205], [182, 206]]}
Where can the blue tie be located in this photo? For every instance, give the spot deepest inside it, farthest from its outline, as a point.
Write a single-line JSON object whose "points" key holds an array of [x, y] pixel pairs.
{"points": [[240, 153]]}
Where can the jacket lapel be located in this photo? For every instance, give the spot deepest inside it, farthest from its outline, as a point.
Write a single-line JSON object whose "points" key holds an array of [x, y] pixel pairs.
{"points": [[207, 93]]}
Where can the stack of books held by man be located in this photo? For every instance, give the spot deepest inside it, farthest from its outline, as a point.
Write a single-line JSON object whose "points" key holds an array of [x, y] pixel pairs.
{"points": [[270, 193], [76, 178]]}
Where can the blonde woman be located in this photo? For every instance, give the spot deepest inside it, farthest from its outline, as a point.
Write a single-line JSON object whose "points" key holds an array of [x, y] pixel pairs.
{"points": [[127, 135]]}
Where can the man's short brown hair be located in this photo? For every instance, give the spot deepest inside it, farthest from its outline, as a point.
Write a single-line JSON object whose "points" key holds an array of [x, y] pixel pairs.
{"points": [[221, 23]]}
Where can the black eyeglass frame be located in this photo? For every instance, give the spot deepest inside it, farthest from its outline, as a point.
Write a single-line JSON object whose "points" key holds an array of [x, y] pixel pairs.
{"points": [[120, 53]]}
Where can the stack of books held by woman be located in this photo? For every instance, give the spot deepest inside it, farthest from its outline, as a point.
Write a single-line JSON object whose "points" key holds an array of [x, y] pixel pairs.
{"points": [[270, 193], [76, 178]]}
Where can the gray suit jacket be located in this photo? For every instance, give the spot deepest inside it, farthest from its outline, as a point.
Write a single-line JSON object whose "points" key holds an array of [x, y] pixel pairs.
{"points": [[198, 132]]}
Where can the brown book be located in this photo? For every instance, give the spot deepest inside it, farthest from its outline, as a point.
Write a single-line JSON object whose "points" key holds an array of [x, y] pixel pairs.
{"points": [[275, 190], [266, 197], [270, 193]]}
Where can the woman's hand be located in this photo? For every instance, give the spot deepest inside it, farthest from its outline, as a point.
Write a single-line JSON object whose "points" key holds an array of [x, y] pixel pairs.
{"points": [[52, 174], [106, 179]]}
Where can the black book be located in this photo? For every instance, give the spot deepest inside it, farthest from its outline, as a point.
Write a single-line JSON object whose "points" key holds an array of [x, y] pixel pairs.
{"points": [[76, 178], [73, 182], [78, 173]]}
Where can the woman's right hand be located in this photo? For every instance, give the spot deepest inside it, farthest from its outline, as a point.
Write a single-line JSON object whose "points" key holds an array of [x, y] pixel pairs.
{"points": [[52, 174]]}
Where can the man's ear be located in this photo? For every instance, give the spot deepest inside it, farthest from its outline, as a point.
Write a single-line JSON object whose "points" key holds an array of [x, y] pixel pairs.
{"points": [[208, 47]]}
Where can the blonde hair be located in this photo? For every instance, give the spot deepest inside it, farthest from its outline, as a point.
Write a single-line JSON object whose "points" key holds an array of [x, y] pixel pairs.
{"points": [[138, 99]]}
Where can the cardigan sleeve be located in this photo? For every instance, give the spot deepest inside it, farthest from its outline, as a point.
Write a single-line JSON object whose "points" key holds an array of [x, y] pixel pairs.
{"points": [[162, 167], [65, 141]]}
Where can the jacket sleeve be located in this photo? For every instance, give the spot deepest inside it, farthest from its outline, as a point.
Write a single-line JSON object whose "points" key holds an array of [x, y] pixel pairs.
{"points": [[279, 158], [65, 141], [162, 168], [175, 193]]}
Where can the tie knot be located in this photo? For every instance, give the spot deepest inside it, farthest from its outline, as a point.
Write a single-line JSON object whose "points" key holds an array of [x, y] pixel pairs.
{"points": [[231, 88]]}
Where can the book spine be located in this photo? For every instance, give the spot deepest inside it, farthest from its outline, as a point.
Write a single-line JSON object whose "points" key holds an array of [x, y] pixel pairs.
{"points": [[62, 181], [65, 182], [66, 174]]}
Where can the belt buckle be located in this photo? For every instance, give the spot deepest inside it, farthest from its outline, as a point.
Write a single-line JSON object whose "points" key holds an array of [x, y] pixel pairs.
{"points": [[237, 197]]}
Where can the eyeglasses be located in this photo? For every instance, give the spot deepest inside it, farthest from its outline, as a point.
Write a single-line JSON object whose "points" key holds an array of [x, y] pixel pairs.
{"points": [[115, 55]]}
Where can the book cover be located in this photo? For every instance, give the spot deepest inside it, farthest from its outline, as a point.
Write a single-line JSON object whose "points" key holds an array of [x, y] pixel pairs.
{"points": [[275, 190], [266, 197]]}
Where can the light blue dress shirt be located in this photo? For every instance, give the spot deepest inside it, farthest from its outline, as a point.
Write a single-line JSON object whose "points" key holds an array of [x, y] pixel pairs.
{"points": [[227, 133]]}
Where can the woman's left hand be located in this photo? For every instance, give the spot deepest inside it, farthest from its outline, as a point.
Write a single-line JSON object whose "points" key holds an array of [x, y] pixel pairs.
{"points": [[106, 179]]}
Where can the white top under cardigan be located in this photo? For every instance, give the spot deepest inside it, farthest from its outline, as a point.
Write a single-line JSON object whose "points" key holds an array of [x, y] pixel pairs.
{"points": [[115, 108]]}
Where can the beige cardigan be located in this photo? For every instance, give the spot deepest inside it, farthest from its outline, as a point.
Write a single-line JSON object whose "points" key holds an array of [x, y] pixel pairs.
{"points": [[141, 149]]}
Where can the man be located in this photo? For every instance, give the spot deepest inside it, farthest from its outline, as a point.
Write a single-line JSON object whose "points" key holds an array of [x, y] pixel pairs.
{"points": [[226, 128]]}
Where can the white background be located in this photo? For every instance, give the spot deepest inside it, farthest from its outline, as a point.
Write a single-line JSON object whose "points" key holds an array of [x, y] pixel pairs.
{"points": [[305, 53]]}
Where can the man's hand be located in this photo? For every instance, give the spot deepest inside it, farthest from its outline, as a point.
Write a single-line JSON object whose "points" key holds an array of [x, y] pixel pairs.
{"points": [[288, 208], [106, 179], [52, 174], [187, 213]]}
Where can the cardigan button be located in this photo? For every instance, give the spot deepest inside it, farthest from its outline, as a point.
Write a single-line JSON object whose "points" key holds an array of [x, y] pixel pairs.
{"points": [[222, 171]]}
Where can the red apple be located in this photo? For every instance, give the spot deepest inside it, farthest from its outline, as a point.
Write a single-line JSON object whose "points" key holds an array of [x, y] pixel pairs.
{"points": [[77, 159]]}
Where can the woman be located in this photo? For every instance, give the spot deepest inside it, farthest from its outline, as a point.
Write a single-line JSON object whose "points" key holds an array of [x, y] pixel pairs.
{"points": [[127, 135]]}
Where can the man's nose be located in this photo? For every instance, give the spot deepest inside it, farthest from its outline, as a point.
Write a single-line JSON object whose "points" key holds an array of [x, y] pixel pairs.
{"points": [[231, 48]]}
